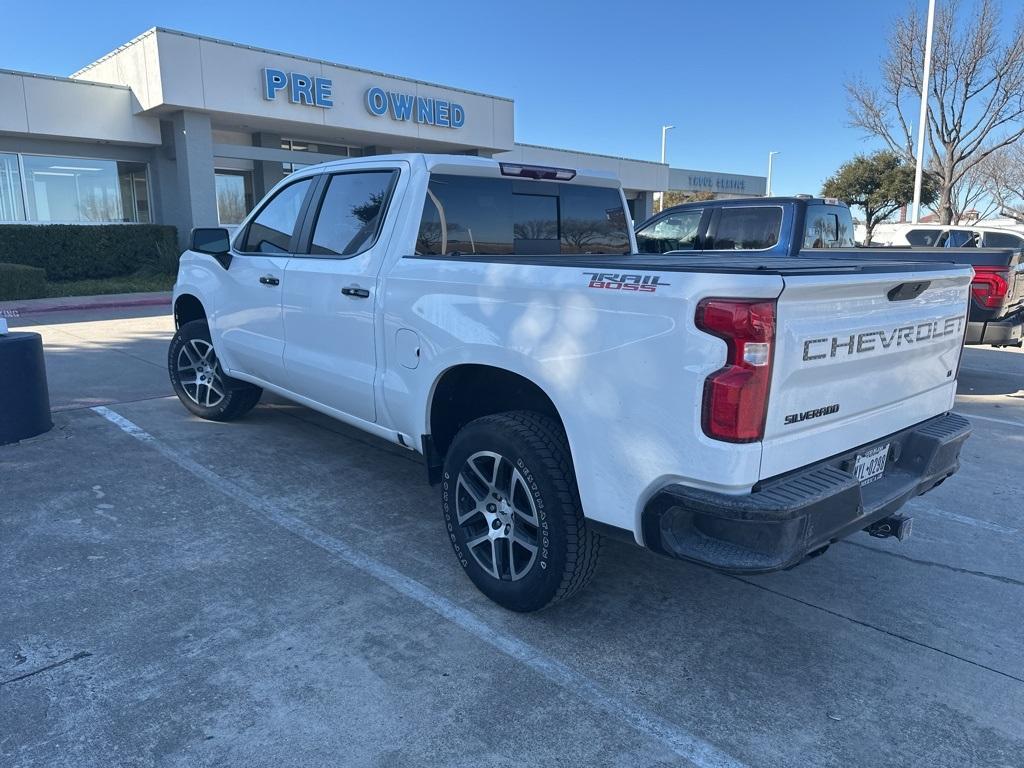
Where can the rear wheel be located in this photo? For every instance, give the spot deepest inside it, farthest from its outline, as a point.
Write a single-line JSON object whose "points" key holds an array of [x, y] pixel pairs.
{"points": [[513, 513], [198, 380]]}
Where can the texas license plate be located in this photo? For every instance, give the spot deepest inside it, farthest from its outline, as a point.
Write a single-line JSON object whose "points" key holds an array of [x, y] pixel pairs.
{"points": [[870, 465]]}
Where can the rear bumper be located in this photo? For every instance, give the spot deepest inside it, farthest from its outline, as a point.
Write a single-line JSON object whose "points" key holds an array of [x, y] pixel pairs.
{"points": [[785, 519], [1008, 331]]}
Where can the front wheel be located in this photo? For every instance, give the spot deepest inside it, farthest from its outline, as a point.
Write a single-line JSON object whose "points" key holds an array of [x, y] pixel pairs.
{"points": [[198, 380], [512, 511]]}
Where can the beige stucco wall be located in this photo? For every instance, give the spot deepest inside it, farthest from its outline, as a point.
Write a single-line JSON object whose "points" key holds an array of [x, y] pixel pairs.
{"points": [[60, 108]]}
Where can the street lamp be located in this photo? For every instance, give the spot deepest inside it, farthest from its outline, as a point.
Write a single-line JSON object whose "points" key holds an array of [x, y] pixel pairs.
{"points": [[664, 130], [768, 186], [923, 119]]}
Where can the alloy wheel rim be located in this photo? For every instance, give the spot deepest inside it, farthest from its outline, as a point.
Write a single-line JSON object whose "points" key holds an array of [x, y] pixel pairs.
{"points": [[199, 373], [497, 513]]}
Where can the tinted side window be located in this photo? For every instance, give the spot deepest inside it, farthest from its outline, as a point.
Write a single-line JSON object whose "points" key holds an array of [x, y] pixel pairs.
{"points": [[271, 230], [675, 232], [486, 216], [474, 217], [351, 212], [923, 237], [748, 228], [961, 238], [1002, 240]]}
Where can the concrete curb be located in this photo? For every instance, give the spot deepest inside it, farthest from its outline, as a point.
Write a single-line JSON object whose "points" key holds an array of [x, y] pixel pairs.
{"points": [[10, 309]]}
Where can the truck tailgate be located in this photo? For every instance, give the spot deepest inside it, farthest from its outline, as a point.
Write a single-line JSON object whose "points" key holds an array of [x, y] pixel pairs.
{"points": [[860, 356]]}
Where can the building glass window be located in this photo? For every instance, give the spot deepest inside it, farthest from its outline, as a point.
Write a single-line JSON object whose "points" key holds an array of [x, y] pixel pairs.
{"points": [[82, 190], [12, 205], [234, 196], [134, 192]]}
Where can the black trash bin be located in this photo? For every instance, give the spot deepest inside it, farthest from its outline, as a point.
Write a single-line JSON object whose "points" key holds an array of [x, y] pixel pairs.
{"points": [[24, 397]]}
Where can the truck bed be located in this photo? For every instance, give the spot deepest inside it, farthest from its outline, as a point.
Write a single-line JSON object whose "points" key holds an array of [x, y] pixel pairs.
{"points": [[845, 261], [989, 257]]}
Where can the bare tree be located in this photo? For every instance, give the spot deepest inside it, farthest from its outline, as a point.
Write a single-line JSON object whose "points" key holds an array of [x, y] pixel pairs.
{"points": [[976, 93], [1003, 176], [973, 197]]}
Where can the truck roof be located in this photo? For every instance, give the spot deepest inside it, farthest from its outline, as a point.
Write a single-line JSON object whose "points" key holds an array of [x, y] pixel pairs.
{"points": [[472, 165]]}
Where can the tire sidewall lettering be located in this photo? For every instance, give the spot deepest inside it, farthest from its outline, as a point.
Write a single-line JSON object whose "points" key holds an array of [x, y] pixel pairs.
{"points": [[544, 553]]}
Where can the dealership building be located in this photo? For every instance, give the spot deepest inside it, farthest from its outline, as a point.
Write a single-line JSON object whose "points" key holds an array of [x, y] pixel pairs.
{"points": [[176, 128]]}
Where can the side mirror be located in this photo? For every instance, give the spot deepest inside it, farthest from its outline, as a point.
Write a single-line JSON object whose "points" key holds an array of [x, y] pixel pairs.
{"points": [[213, 241]]}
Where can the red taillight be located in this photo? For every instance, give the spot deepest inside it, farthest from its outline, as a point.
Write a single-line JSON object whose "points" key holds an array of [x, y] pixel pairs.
{"points": [[990, 286], [736, 396]]}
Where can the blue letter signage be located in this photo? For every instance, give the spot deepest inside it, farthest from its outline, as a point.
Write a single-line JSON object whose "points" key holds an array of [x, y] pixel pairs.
{"points": [[418, 109], [302, 89]]}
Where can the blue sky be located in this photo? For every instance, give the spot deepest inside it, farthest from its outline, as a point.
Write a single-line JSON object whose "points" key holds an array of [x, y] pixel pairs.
{"points": [[736, 77]]}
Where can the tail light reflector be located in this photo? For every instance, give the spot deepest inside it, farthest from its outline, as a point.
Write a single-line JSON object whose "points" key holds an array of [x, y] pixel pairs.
{"points": [[990, 286], [736, 396]]}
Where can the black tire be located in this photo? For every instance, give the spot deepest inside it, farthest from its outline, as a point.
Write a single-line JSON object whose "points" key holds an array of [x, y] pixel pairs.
{"points": [[567, 550], [216, 396]]}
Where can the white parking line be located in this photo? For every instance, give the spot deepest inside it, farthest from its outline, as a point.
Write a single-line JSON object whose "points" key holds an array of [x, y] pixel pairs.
{"points": [[974, 522], [700, 753], [1011, 422]]}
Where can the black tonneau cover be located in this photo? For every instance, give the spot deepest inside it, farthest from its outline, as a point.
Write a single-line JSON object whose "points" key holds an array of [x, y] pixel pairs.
{"points": [[983, 257], [839, 261]]}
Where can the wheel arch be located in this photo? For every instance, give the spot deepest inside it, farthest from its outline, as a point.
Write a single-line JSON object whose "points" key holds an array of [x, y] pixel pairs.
{"points": [[188, 307], [468, 391]]}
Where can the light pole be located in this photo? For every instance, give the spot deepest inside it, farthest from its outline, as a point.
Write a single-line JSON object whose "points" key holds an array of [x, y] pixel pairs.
{"points": [[768, 186], [664, 130], [922, 120]]}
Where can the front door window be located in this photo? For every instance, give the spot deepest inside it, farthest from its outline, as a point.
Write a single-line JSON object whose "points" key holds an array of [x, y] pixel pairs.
{"points": [[674, 232]]}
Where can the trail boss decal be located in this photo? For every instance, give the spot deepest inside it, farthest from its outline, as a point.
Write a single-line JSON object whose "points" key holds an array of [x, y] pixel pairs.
{"points": [[616, 281], [796, 418], [872, 341]]}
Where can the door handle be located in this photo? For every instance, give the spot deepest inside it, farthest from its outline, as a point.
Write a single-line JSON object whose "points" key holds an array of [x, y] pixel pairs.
{"points": [[269, 280], [359, 293]]}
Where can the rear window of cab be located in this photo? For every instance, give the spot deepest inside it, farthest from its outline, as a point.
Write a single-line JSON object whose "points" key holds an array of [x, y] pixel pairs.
{"points": [[828, 226], [480, 216]]}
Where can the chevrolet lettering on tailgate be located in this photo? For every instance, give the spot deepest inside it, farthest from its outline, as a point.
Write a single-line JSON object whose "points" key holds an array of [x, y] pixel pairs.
{"points": [[871, 341]]}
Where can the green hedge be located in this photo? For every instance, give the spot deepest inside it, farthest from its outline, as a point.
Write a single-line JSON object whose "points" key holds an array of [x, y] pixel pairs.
{"points": [[78, 252], [20, 282]]}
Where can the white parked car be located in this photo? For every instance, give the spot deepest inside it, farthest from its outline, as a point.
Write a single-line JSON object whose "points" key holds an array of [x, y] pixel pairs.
{"points": [[946, 236], [738, 412]]}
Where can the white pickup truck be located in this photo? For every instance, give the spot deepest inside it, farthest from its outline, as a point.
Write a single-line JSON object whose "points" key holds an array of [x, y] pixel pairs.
{"points": [[741, 413]]}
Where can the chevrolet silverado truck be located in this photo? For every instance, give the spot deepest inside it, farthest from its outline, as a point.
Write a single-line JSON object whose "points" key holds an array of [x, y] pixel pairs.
{"points": [[740, 413], [807, 226]]}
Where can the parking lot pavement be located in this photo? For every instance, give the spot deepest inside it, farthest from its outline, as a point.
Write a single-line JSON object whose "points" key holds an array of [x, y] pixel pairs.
{"points": [[96, 357], [278, 591]]}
